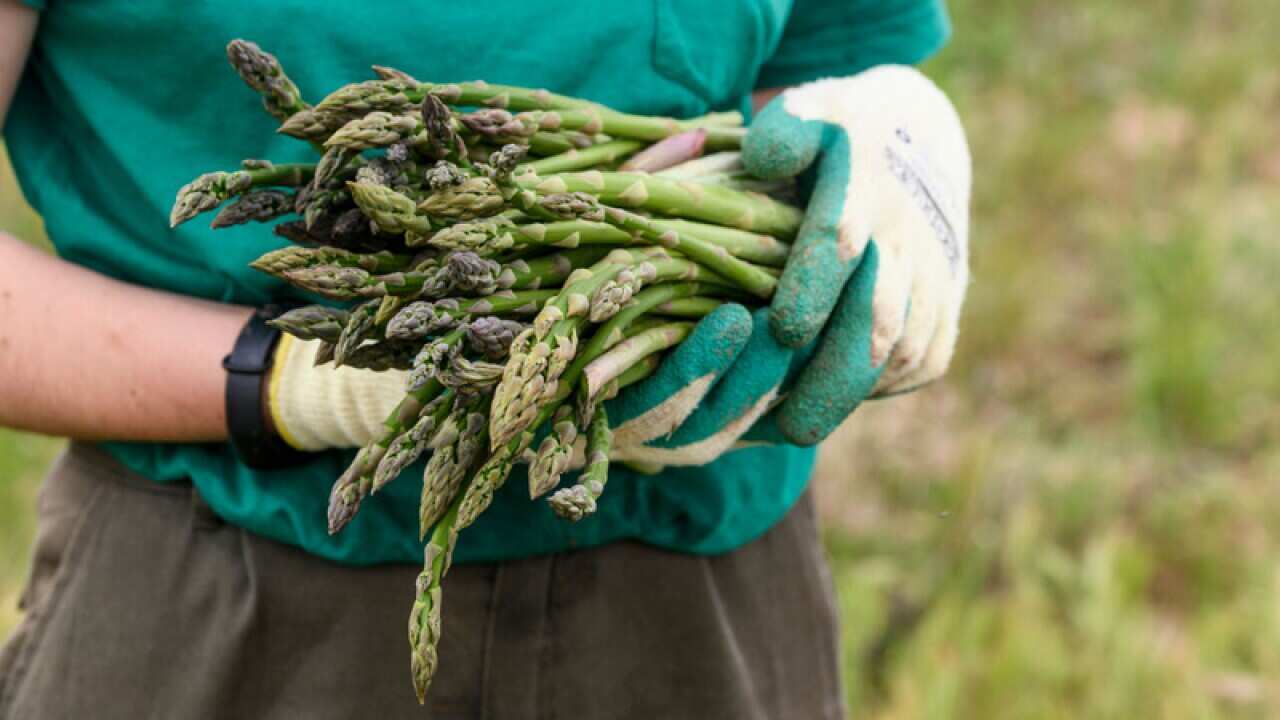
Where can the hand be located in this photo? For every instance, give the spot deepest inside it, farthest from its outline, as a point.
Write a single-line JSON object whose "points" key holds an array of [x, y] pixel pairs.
{"points": [[878, 273], [316, 408], [868, 303], [705, 395]]}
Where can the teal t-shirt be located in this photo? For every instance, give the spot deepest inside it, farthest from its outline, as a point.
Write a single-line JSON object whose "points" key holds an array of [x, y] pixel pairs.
{"points": [[123, 101]]}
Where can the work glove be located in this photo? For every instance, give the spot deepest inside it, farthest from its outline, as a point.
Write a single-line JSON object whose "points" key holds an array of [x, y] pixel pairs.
{"points": [[707, 393], [315, 408], [870, 299], [878, 273]]}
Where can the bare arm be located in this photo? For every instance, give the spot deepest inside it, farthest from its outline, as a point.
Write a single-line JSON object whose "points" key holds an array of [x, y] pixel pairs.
{"points": [[97, 358]]}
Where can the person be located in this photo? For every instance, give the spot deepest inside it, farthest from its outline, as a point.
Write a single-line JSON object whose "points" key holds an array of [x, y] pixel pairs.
{"points": [[173, 576]]}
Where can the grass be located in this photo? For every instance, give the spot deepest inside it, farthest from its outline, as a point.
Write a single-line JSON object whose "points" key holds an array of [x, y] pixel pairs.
{"points": [[1082, 520]]}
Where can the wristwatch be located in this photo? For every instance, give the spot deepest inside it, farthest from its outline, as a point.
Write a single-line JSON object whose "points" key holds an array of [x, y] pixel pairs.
{"points": [[248, 366]]}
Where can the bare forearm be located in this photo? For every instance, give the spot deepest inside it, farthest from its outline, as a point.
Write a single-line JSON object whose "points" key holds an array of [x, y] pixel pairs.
{"points": [[89, 357]]}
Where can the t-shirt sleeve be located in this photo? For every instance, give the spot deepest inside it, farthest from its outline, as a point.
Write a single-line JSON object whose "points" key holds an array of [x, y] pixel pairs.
{"points": [[36, 4], [825, 38]]}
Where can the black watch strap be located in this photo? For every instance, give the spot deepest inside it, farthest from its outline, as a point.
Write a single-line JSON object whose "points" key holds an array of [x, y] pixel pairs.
{"points": [[248, 367]]}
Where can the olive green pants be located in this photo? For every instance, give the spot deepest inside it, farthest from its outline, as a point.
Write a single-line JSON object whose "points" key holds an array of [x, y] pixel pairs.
{"points": [[142, 604]]}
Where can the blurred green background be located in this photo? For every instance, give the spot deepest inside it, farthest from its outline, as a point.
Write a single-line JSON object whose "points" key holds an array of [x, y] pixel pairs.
{"points": [[1083, 520]]}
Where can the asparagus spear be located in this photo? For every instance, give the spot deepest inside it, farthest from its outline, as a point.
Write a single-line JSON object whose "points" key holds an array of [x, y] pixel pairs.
{"points": [[576, 159], [350, 489], [278, 262], [709, 203], [455, 450], [261, 71], [576, 502], [312, 322], [409, 446], [424, 617], [626, 353], [396, 96], [692, 307], [751, 278], [542, 353], [554, 454], [212, 189], [360, 327], [254, 206]]}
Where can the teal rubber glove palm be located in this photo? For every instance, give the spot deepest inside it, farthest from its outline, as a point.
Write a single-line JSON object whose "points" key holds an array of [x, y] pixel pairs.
{"points": [[878, 273], [704, 396]]}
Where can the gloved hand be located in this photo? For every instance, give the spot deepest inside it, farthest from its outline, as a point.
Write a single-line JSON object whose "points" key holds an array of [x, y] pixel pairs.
{"points": [[879, 271], [870, 299], [705, 395], [315, 408]]}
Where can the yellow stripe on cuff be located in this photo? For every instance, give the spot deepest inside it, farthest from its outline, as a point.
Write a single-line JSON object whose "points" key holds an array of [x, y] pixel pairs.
{"points": [[286, 346]]}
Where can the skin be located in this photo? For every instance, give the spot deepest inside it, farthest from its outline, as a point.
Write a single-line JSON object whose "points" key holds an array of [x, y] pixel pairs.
{"points": [[145, 365]]}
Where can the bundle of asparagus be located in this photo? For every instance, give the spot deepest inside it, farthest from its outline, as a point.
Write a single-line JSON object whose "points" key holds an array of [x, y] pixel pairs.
{"points": [[524, 255]]}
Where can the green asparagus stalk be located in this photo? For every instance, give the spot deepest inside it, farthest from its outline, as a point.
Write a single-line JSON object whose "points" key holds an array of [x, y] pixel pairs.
{"points": [[360, 326], [380, 356], [212, 189], [613, 332], [752, 278], [254, 206], [542, 353], [356, 482], [491, 337], [692, 307], [460, 272], [388, 306], [261, 71], [377, 130], [475, 197], [749, 277], [695, 201], [389, 73], [409, 446], [424, 617], [455, 450], [553, 143], [576, 502], [494, 472], [324, 353], [393, 212], [574, 159], [278, 262], [494, 235], [420, 319], [554, 454], [397, 96], [443, 140], [634, 374], [616, 360], [312, 322]]}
